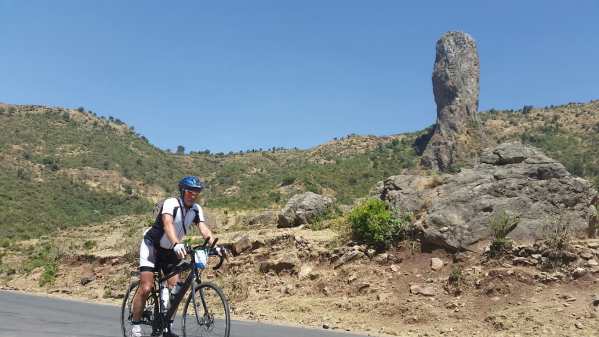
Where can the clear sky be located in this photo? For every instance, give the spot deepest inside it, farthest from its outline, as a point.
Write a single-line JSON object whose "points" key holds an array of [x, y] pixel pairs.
{"points": [[236, 75]]}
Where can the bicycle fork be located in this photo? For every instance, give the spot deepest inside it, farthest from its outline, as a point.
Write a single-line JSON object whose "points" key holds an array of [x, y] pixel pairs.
{"points": [[202, 320]]}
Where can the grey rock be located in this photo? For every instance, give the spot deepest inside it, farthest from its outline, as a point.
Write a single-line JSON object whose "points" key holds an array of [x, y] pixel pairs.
{"points": [[305, 271], [288, 264], [587, 255], [303, 209], [579, 272], [267, 217], [523, 261], [241, 244], [87, 279], [436, 263], [345, 258], [514, 177], [418, 289], [456, 77], [381, 258]]}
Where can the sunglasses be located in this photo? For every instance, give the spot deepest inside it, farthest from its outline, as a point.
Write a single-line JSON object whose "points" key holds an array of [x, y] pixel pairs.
{"points": [[193, 193]]}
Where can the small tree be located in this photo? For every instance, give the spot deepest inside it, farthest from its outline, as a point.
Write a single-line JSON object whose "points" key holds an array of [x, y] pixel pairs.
{"points": [[526, 109], [180, 149]]}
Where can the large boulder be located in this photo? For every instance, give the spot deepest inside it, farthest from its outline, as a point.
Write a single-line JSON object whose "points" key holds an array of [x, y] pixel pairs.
{"points": [[303, 209], [454, 210], [456, 77]]}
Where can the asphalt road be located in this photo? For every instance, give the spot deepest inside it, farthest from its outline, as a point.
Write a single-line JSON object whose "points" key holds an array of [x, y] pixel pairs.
{"points": [[36, 316]]}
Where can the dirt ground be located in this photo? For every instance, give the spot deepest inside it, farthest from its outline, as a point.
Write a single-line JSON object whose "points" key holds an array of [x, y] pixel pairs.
{"points": [[305, 277]]}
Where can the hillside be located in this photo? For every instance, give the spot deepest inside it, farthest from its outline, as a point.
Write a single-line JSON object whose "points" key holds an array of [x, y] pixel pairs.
{"points": [[63, 167]]}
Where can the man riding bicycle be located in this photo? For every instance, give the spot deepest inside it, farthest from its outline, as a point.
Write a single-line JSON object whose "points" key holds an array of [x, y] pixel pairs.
{"points": [[162, 247]]}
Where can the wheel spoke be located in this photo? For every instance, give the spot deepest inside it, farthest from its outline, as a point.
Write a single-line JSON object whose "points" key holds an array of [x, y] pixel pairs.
{"points": [[212, 315]]}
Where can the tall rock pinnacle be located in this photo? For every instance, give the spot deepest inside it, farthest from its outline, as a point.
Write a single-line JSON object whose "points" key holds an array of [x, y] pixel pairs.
{"points": [[456, 77]]}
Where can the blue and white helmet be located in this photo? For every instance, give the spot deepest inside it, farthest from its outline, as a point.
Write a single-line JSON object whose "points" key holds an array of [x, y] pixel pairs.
{"points": [[191, 183]]}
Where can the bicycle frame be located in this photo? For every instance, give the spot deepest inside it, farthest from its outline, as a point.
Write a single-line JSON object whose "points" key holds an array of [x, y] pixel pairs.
{"points": [[194, 275]]}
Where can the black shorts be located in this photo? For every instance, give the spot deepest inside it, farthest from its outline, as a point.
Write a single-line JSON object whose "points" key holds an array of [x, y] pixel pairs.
{"points": [[152, 258]]}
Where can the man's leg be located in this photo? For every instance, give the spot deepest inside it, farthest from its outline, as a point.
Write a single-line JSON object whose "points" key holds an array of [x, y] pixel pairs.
{"points": [[147, 260], [146, 284]]}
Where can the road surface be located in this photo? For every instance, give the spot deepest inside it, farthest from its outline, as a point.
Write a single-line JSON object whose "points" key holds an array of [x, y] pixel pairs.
{"points": [[24, 315]]}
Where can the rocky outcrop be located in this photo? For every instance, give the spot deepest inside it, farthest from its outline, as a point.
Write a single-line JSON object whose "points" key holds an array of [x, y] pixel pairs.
{"points": [[456, 88], [266, 217], [454, 210], [303, 208]]}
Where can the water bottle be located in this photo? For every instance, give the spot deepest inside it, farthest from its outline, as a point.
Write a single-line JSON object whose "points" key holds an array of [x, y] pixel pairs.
{"points": [[176, 290], [164, 296]]}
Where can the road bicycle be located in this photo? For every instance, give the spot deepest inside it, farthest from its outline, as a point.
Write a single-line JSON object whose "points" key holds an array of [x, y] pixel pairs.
{"points": [[206, 310]]}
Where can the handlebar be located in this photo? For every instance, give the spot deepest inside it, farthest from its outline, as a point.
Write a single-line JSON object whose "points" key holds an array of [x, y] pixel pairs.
{"points": [[212, 251]]}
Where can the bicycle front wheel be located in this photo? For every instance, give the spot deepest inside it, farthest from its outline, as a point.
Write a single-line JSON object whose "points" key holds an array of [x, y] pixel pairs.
{"points": [[206, 313]]}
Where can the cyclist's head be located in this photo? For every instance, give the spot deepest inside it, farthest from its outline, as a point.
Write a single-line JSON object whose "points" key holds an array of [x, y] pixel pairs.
{"points": [[193, 185]]}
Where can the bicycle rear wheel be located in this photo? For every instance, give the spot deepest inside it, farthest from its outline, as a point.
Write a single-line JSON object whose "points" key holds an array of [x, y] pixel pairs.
{"points": [[148, 314], [206, 313]]}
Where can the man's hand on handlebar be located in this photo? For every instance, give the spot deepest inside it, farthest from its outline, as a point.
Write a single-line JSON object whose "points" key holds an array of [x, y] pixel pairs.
{"points": [[180, 250]]}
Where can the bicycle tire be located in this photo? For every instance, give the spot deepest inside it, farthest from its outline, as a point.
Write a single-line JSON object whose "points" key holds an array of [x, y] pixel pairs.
{"points": [[212, 294], [151, 305]]}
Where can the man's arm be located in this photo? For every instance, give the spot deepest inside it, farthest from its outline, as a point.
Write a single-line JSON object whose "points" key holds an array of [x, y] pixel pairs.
{"points": [[169, 228], [205, 231]]}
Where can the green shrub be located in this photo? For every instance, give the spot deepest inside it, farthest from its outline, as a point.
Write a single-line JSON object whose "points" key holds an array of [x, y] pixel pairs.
{"points": [[455, 281], [373, 223], [501, 224], [44, 255], [89, 244]]}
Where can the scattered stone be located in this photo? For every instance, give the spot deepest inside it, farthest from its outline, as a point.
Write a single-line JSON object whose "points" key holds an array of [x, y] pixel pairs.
{"points": [[370, 253], [345, 258], [395, 268], [436, 263], [593, 245], [287, 263], [418, 289], [352, 278], [579, 272], [289, 290], [537, 256], [459, 257], [263, 218], [362, 287], [381, 258], [257, 244], [383, 296], [587, 255], [592, 263], [326, 326], [305, 271], [522, 261], [240, 245], [579, 325], [87, 275]]}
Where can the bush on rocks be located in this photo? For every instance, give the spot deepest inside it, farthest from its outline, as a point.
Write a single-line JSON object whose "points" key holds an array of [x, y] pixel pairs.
{"points": [[373, 223]]}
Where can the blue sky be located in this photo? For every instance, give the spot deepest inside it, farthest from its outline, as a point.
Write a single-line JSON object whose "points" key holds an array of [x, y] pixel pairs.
{"points": [[235, 75]]}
